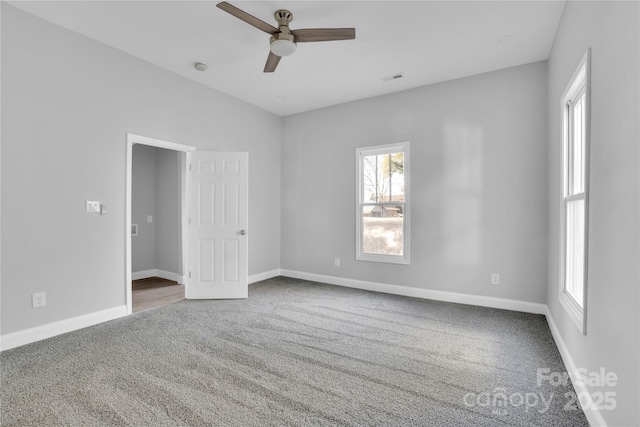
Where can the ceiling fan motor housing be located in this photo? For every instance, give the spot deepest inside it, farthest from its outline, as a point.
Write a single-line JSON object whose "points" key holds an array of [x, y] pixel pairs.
{"points": [[284, 17]]}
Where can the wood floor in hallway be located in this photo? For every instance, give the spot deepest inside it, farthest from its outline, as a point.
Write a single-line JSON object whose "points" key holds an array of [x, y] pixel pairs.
{"points": [[154, 292]]}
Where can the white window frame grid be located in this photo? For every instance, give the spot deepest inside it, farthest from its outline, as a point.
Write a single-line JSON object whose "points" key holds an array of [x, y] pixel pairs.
{"points": [[578, 85], [378, 150]]}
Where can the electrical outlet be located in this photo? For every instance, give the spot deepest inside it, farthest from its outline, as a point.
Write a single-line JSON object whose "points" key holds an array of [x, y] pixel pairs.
{"points": [[39, 299], [336, 262], [149, 219], [495, 278]]}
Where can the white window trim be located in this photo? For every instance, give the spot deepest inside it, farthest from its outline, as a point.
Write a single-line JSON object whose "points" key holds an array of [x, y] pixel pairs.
{"points": [[577, 314], [382, 149]]}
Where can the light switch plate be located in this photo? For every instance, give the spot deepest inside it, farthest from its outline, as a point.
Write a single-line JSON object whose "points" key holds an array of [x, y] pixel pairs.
{"points": [[92, 207]]}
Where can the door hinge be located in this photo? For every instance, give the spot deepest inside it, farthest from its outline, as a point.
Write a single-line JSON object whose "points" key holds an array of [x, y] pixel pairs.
{"points": [[190, 166], [189, 275], [189, 221]]}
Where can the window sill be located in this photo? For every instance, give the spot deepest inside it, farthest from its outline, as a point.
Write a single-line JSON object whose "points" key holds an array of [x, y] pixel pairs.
{"points": [[575, 315], [389, 259]]}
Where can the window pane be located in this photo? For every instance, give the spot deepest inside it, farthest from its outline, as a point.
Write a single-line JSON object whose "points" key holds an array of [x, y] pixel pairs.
{"points": [[382, 189], [369, 179], [578, 146], [396, 176], [574, 275], [382, 229], [383, 178]]}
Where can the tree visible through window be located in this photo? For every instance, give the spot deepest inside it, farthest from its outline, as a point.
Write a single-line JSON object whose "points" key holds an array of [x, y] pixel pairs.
{"points": [[383, 203]]}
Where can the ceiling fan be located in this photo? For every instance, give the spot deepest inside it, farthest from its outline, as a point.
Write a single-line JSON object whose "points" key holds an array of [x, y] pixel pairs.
{"points": [[283, 39]]}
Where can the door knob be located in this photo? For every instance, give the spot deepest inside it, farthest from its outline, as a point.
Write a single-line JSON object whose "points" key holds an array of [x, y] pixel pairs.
{"points": [[243, 232]]}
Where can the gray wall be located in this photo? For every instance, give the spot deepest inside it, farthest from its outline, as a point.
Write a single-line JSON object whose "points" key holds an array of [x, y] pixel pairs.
{"points": [[611, 30], [478, 184], [67, 104], [156, 192], [143, 203], [168, 208]]}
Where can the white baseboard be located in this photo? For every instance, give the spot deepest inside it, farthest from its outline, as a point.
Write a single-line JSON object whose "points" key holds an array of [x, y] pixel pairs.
{"points": [[265, 275], [483, 301], [168, 275], [593, 416], [27, 336]]}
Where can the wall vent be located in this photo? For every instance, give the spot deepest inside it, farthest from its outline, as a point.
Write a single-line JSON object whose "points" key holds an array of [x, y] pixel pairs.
{"points": [[393, 77]]}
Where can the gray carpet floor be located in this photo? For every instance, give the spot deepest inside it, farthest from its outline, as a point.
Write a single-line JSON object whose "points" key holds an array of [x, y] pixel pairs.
{"points": [[295, 353]]}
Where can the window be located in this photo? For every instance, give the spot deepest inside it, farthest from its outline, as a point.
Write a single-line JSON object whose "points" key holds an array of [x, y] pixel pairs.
{"points": [[382, 212], [575, 161]]}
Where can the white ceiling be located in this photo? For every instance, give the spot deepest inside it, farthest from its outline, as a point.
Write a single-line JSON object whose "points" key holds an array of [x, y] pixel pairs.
{"points": [[427, 41]]}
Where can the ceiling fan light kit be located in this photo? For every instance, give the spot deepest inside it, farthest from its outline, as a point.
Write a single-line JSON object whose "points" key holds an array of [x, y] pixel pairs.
{"points": [[284, 40], [283, 45]]}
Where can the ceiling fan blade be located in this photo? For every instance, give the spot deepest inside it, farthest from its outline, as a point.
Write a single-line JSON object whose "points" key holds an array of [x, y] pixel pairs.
{"points": [[272, 62], [323, 34], [249, 19]]}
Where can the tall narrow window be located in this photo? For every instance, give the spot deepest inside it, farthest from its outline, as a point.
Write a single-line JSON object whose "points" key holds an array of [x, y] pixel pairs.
{"points": [[382, 216], [575, 107]]}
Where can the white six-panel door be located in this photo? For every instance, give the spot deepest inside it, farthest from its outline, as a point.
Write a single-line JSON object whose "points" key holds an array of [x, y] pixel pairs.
{"points": [[218, 225]]}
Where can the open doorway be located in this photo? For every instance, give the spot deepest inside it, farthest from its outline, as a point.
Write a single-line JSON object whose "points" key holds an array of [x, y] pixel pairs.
{"points": [[156, 206], [156, 253]]}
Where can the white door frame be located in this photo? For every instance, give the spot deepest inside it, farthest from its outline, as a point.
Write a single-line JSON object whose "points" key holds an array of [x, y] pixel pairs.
{"points": [[185, 160]]}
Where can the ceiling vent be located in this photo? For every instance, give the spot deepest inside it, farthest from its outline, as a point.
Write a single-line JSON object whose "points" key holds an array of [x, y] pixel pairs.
{"points": [[393, 77]]}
